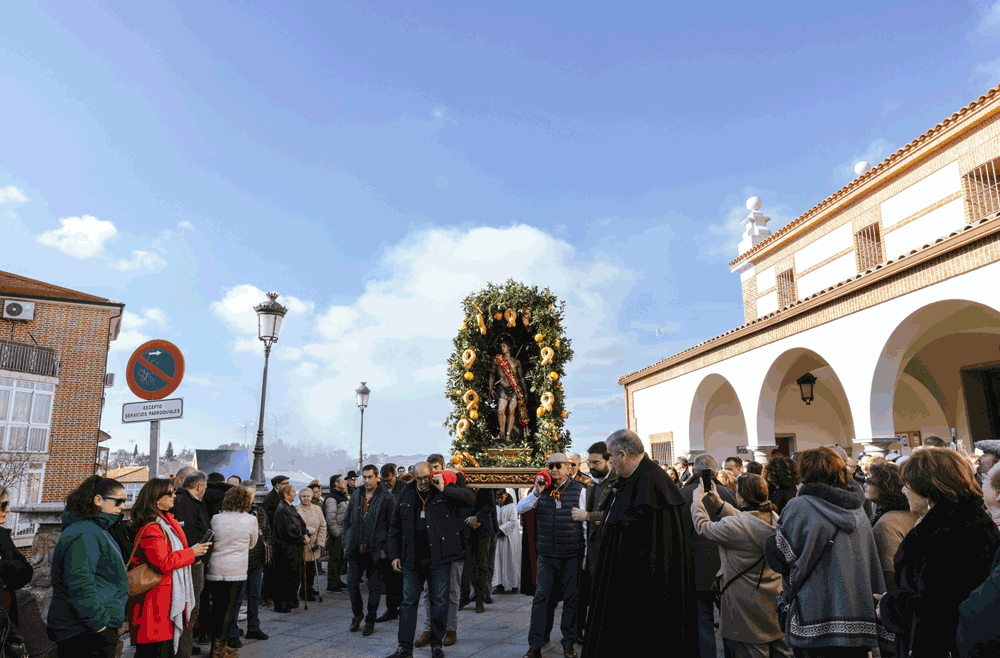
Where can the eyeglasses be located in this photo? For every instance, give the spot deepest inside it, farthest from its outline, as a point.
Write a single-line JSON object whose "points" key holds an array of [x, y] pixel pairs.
{"points": [[423, 478], [118, 502]]}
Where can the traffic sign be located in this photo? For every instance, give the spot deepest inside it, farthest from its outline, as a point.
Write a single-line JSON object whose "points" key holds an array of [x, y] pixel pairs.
{"points": [[143, 412], [155, 370]]}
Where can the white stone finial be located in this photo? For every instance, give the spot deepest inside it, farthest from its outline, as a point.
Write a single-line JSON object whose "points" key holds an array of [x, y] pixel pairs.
{"points": [[862, 168], [755, 225], [754, 203]]}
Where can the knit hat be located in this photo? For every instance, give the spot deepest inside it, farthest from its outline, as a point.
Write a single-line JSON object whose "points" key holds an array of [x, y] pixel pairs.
{"points": [[989, 446]]}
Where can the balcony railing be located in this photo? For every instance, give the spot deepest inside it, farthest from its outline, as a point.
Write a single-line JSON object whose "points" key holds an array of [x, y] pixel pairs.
{"points": [[28, 358]]}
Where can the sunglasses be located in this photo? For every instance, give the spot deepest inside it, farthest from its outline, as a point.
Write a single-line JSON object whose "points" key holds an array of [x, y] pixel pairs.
{"points": [[118, 501], [555, 467]]}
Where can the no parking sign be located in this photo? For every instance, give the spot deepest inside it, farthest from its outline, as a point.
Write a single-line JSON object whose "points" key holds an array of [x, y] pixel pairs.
{"points": [[155, 370]]}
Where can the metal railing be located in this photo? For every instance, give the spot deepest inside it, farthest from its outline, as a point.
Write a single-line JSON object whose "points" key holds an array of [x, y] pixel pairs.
{"points": [[28, 358], [984, 191], [868, 242], [786, 288]]}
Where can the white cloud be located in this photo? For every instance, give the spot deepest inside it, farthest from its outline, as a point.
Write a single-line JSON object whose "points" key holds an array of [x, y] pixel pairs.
{"points": [[442, 182], [440, 114], [305, 369], [185, 225], [135, 326], [235, 309], [989, 23], [12, 194], [875, 153], [140, 260], [79, 237]]}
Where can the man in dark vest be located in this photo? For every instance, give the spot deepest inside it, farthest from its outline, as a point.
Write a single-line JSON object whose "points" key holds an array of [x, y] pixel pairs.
{"points": [[560, 546]]}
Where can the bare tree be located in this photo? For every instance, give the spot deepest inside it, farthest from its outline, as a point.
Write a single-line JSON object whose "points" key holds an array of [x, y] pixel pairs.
{"points": [[13, 467]]}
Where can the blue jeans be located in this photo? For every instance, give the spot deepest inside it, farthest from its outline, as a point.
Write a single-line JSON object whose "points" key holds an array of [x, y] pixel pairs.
{"points": [[554, 574], [438, 581], [255, 577]]}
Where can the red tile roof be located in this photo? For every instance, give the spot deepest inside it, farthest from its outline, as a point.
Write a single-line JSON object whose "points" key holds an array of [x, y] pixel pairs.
{"points": [[954, 122], [15, 284], [130, 474]]}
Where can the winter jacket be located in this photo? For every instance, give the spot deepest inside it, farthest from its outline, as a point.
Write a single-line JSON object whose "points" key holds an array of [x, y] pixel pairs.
{"points": [[824, 549], [889, 532], [191, 515], [923, 610], [596, 498], [316, 527], [214, 495], [978, 633], [15, 571], [445, 522], [706, 553], [780, 497], [235, 534], [334, 508], [372, 529], [748, 604], [485, 510], [558, 534], [89, 583], [270, 504], [150, 620], [289, 530], [265, 543]]}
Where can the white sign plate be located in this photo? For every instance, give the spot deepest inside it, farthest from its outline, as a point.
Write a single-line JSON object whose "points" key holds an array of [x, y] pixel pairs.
{"points": [[145, 411]]}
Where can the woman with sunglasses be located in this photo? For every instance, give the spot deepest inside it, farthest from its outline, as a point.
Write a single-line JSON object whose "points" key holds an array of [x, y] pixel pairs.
{"points": [[89, 584], [160, 615]]}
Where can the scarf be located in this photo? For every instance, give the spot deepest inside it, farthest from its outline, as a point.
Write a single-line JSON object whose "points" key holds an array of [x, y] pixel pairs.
{"points": [[182, 588]]}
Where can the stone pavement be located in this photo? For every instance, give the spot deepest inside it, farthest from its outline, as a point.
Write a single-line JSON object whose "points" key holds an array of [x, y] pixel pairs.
{"points": [[323, 632]]}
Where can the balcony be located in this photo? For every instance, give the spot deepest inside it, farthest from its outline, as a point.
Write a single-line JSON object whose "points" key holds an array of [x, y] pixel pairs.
{"points": [[28, 358]]}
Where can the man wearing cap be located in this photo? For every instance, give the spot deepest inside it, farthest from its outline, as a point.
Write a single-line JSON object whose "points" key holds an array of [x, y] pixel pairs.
{"points": [[561, 546], [990, 456], [269, 505], [424, 540]]}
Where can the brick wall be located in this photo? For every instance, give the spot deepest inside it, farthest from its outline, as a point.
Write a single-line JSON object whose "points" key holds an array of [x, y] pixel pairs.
{"points": [[79, 334]]}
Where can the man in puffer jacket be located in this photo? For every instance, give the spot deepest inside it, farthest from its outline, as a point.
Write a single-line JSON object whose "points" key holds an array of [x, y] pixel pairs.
{"points": [[334, 508]]}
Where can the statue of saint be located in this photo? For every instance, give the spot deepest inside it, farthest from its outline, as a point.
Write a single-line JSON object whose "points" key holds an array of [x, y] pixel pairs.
{"points": [[507, 390]]}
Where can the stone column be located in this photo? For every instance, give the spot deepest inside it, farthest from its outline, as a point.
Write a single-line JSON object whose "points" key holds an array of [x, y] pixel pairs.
{"points": [[877, 447], [48, 516], [761, 454]]}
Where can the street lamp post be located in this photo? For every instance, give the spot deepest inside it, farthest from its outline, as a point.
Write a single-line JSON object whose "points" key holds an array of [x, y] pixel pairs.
{"points": [[362, 392], [269, 317]]}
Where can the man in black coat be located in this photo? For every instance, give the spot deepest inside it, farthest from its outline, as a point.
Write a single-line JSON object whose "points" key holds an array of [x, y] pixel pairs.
{"points": [[425, 538], [190, 512], [216, 491], [393, 579], [366, 531], [643, 578], [482, 523], [289, 531], [706, 554], [269, 505]]}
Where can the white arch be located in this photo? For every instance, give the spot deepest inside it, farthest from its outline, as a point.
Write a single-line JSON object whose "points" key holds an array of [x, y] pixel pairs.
{"points": [[708, 387], [916, 331], [788, 366]]}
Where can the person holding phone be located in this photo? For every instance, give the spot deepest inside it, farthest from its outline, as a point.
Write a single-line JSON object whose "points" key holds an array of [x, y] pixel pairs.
{"points": [[161, 614]]}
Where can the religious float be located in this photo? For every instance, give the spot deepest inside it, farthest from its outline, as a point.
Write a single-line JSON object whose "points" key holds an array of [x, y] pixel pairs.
{"points": [[505, 382]]}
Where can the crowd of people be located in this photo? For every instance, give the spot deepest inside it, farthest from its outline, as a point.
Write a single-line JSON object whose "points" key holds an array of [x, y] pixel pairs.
{"points": [[811, 555]]}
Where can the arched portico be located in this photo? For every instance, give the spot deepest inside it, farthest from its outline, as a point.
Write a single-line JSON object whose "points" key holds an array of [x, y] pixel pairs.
{"points": [[782, 412], [717, 422], [917, 382]]}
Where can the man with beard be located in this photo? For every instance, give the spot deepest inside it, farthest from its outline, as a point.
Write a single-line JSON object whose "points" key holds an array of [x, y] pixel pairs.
{"points": [[603, 477], [366, 531], [425, 538], [643, 577]]}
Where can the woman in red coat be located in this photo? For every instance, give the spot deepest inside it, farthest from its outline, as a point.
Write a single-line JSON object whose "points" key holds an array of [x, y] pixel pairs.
{"points": [[159, 615]]}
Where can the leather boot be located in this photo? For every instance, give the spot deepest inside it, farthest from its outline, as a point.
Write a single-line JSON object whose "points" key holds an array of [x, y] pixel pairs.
{"points": [[218, 648], [231, 652], [450, 638], [423, 640]]}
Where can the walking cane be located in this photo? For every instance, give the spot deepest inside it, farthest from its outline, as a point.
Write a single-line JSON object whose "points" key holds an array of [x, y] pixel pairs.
{"points": [[305, 586], [319, 594]]}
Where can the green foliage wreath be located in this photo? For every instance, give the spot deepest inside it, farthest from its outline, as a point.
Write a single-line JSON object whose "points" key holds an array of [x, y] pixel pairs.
{"points": [[538, 318]]}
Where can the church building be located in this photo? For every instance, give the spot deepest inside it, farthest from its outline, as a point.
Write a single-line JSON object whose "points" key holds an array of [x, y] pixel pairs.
{"points": [[872, 321]]}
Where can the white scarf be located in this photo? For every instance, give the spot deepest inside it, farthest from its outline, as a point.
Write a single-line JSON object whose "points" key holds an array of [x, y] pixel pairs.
{"points": [[182, 588]]}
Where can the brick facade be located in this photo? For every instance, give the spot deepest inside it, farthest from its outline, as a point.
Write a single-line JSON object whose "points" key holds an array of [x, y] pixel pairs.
{"points": [[79, 328]]}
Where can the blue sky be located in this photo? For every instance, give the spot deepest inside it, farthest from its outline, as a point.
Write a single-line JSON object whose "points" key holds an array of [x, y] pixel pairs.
{"points": [[375, 163]]}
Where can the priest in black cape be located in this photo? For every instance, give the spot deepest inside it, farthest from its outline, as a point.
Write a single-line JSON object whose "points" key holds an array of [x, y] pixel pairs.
{"points": [[643, 589]]}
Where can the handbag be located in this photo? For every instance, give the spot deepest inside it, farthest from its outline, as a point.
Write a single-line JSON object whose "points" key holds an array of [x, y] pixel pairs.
{"points": [[144, 577]]}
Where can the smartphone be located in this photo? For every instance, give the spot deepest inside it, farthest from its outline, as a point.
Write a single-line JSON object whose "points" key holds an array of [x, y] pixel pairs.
{"points": [[706, 479], [207, 538]]}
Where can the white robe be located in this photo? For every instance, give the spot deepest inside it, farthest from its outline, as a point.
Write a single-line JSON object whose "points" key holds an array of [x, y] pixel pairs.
{"points": [[507, 569]]}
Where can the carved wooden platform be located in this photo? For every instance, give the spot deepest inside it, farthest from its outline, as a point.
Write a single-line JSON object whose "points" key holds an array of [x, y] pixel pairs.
{"points": [[500, 477]]}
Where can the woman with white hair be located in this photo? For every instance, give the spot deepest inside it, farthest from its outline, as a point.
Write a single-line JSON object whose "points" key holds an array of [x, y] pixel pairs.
{"points": [[316, 529], [507, 569]]}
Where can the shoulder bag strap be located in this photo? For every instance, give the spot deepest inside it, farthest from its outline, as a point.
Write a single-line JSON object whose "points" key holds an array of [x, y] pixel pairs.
{"points": [[813, 567], [741, 574], [136, 543]]}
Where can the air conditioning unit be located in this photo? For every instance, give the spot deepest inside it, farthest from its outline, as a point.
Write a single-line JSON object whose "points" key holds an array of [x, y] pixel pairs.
{"points": [[17, 310], [109, 380]]}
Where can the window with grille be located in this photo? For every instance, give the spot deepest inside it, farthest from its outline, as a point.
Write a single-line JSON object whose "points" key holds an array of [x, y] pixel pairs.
{"points": [[786, 288], [868, 243], [984, 190], [662, 447], [25, 415]]}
